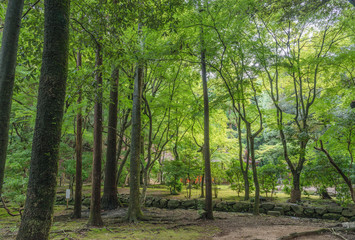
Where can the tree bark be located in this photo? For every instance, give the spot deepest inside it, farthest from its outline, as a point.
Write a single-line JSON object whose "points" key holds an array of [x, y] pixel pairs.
{"points": [[109, 198], [255, 175], [95, 205], [202, 186], [78, 153], [206, 147], [244, 171], [134, 209], [37, 217], [295, 191], [8, 56]]}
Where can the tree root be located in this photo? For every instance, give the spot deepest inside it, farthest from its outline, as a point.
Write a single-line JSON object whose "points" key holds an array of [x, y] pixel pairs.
{"points": [[319, 232], [8, 210]]}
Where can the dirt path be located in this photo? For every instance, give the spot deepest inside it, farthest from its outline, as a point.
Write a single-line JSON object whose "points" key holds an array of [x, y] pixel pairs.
{"points": [[243, 226]]}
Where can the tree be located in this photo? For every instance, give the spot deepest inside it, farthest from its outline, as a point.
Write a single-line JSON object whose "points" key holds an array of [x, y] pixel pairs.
{"points": [[8, 56], [109, 199], [206, 124], [78, 152], [37, 217], [134, 209], [297, 53], [95, 205]]}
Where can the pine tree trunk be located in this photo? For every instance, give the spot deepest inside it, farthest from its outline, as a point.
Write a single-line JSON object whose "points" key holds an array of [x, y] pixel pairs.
{"points": [[37, 216], [8, 56], [95, 205], [79, 154], [109, 198], [206, 147]]}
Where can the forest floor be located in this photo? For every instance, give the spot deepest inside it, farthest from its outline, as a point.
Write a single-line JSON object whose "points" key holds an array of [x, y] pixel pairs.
{"points": [[183, 224]]}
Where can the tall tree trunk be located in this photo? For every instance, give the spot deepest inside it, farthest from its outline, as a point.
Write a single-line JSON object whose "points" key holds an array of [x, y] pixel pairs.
{"points": [[95, 208], [7, 74], [37, 217], [78, 153], [134, 209], [206, 146], [244, 171], [109, 198]]}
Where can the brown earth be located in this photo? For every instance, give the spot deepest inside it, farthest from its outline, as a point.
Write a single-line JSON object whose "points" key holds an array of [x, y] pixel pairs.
{"points": [[243, 226]]}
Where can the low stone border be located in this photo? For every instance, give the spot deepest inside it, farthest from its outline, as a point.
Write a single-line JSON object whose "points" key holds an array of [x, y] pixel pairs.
{"points": [[330, 212], [287, 209]]}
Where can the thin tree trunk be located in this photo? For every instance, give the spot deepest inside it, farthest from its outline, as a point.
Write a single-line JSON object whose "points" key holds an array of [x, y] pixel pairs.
{"points": [[255, 176], [124, 160], [134, 209], [79, 153], [37, 217], [109, 198], [95, 205], [244, 171], [7, 74], [206, 147], [202, 186]]}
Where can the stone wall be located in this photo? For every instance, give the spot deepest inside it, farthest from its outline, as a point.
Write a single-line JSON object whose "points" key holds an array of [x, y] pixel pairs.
{"points": [[288, 209], [330, 212]]}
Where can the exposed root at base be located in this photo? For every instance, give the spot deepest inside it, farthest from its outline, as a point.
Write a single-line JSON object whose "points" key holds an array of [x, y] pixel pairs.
{"points": [[318, 232]]}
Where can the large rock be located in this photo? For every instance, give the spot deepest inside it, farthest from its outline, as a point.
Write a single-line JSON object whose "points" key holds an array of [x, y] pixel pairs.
{"points": [[331, 216], [334, 209], [320, 211], [285, 207], [309, 212], [279, 209], [200, 204], [222, 206], [297, 209], [188, 204], [274, 213], [156, 202], [149, 203], [163, 203], [348, 212], [242, 206], [267, 206], [172, 204]]}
